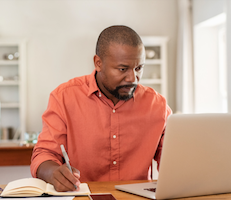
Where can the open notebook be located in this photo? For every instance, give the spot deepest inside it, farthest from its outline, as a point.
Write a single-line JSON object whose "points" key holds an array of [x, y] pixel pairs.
{"points": [[29, 187], [195, 158]]}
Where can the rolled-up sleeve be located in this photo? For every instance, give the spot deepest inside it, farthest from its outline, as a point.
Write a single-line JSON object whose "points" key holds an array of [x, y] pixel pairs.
{"points": [[159, 149], [51, 137]]}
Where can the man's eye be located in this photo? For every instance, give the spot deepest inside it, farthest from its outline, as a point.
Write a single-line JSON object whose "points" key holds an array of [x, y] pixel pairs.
{"points": [[122, 69], [139, 68]]}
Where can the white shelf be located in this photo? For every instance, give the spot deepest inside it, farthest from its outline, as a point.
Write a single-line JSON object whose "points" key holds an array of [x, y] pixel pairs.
{"points": [[150, 81], [13, 86], [9, 82], [9, 62], [10, 143], [10, 105], [157, 65], [153, 62]]}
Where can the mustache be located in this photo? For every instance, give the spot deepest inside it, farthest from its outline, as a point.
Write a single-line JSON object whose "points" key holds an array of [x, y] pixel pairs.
{"points": [[124, 86]]}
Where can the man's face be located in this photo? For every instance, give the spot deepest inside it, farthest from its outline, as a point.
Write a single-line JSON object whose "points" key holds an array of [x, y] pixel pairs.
{"points": [[120, 70]]}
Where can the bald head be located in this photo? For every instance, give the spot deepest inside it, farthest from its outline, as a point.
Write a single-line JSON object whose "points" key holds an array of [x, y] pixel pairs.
{"points": [[116, 34]]}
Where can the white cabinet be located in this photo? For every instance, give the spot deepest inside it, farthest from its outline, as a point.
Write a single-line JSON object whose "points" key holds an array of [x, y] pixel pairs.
{"points": [[155, 70], [12, 89]]}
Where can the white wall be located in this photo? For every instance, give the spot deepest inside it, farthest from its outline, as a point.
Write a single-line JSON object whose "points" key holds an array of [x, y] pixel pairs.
{"points": [[206, 9], [62, 35]]}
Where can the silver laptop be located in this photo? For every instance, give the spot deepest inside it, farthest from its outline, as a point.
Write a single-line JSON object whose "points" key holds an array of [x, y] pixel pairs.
{"points": [[195, 161]]}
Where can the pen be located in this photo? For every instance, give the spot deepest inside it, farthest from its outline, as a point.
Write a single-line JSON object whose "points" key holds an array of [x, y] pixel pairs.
{"points": [[66, 160]]}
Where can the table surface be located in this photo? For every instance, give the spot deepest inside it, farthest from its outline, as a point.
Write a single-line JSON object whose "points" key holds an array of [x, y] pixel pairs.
{"points": [[109, 187], [12, 155]]}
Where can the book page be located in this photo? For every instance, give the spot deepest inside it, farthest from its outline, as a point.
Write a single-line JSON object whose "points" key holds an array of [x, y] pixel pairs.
{"points": [[84, 190], [27, 185], [47, 198]]}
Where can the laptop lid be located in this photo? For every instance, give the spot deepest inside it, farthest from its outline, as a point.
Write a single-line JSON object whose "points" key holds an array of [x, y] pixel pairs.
{"points": [[195, 158]]}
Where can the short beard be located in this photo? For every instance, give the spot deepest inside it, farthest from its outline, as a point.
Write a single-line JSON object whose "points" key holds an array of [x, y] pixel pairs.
{"points": [[116, 94]]}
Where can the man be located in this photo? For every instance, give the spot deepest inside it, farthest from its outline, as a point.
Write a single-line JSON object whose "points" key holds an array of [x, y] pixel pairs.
{"points": [[110, 125]]}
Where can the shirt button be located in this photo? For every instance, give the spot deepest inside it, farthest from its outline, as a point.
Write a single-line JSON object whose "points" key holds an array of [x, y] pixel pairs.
{"points": [[114, 136], [114, 162], [113, 110]]}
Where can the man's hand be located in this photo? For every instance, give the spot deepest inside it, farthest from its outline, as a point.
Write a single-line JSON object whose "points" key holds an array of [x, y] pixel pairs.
{"points": [[59, 176]]}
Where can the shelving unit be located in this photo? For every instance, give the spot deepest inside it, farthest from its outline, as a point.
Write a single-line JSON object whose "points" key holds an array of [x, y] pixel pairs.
{"points": [[155, 70], [12, 90]]}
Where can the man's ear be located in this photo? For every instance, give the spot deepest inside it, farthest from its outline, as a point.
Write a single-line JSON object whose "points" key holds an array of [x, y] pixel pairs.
{"points": [[97, 63]]}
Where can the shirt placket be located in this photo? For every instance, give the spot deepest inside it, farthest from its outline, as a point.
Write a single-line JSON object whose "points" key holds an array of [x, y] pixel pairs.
{"points": [[114, 136], [114, 139]]}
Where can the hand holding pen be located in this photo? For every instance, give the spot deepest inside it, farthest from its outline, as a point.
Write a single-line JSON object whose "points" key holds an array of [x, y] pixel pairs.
{"points": [[60, 176], [66, 158]]}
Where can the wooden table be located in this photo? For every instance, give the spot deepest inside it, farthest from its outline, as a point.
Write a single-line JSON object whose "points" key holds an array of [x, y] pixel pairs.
{"points": [[109, 187], [15, 155]]}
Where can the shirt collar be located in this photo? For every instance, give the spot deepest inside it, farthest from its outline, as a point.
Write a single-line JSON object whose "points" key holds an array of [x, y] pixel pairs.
{"points": [[93, 87]]}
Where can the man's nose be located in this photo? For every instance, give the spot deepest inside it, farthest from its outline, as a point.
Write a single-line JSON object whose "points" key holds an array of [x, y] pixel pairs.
{"points": [[131, 76]]}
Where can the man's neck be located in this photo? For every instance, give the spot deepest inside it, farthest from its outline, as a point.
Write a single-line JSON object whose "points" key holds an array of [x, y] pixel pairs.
{"points": [[104, 90]]}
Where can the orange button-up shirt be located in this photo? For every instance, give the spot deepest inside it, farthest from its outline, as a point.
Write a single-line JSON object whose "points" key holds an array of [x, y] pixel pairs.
{"points": [[104, 141]]}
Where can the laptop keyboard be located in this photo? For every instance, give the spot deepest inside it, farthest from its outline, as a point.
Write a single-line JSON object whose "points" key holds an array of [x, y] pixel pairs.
{"points": [[150, 189]]}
